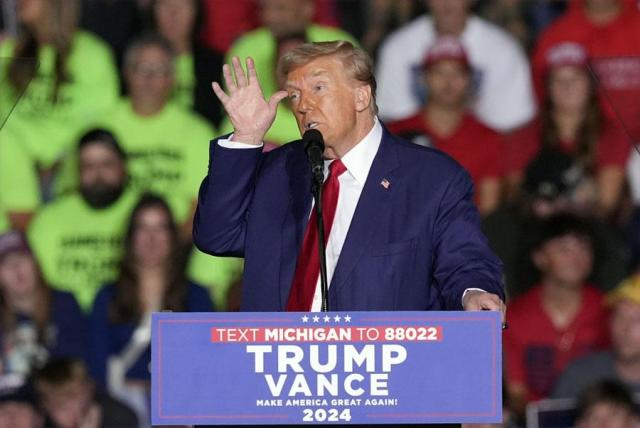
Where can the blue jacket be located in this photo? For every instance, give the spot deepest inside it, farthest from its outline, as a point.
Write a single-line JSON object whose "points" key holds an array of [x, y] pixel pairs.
{"points": [[415, 244]]}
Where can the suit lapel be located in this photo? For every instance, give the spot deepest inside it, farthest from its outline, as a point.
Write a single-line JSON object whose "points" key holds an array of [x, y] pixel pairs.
{"points": [[373, 207], [296, 218]]}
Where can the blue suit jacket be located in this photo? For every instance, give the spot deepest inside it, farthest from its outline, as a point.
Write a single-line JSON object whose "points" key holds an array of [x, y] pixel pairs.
{"points": [[415, 245]]}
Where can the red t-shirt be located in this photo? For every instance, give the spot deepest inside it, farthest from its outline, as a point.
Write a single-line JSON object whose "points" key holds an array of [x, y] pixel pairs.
{"points": [[536, 352], [523, 145], [606, 40], [226, 20], [614, 52], [476, 147]]}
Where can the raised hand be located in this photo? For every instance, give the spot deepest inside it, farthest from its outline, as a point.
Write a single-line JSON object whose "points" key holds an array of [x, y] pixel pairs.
{"points": [[250, 114]]}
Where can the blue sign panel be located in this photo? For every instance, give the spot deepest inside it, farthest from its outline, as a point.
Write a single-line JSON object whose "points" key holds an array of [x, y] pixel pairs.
{"points": [[326, 368]]}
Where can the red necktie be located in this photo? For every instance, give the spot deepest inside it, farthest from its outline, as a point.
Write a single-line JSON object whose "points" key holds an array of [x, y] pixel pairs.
{"points": [[308, 264]]}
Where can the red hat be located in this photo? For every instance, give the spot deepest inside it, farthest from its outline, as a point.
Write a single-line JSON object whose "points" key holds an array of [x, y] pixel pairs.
{"points": [[446, 47], [566, 53]]}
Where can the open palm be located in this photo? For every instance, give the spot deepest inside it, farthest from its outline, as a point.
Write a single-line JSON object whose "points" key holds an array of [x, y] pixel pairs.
{"points": [[250, 114]]}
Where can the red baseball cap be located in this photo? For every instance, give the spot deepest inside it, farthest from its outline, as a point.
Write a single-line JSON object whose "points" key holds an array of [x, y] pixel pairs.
{"points": [[566, 53], [446, 48]]}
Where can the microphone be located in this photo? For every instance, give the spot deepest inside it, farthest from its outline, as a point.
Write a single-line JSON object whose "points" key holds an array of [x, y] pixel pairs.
{"points": [[314, 147]]}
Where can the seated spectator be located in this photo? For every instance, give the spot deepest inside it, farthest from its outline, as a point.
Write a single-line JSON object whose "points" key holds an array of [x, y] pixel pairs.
{"points": [[69, 398], [610, 32], [280, 19], [19, 409], [501, 75], [78, 238], [73, 81], [554, 183], [164, 142], [151, 279], [622, 361], [571, 120], [607, 404], [36, 322], [446, 124], [558, 320], [196, 66]]}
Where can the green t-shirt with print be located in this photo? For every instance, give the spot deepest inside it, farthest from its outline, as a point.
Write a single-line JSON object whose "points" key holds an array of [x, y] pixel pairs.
{"points": [[260, 45], [185, 78], [79, 247], [45, 129], [19, 187], [166, 153]]}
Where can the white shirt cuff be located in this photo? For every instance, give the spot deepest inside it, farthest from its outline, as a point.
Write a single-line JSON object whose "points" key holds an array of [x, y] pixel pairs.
{"points": [[227, 143], [470, 289]]}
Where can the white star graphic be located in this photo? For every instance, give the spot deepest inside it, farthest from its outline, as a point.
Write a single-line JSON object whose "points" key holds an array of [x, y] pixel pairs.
{"points": [[347, 318], [327, 318], [305, 318], [316, 318], [336, 318]]}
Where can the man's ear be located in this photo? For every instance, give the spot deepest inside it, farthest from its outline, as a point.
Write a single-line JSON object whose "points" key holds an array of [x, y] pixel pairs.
{"points": [[363, 98]]}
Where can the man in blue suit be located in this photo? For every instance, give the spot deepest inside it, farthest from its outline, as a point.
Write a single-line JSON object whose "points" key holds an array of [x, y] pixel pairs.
{"points": [[405, 234]]}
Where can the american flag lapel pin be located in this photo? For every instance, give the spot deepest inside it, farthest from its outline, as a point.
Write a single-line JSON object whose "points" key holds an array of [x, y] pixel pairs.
{"points": [[385, 183]]}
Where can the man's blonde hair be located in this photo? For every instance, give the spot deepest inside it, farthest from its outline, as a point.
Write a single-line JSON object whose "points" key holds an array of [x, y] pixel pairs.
{"points": [[357, 63]]}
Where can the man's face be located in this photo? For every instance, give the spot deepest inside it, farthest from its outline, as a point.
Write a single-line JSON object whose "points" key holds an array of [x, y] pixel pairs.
{"points": [[625, 330], [284, 17], [565, 259], [448, 83], [102, 174], [150, 76], [324, 98], [450, 16]]}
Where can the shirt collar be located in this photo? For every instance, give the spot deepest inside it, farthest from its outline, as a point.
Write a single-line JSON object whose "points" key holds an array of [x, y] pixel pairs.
{"points": [[359, 159]]}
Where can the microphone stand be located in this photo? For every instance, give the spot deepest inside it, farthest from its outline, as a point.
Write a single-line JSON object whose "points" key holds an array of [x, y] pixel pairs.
{"points": [[316, 189]]}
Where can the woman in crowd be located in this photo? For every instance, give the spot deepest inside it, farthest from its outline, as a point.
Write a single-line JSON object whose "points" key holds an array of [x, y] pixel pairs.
{"points": [[59, 78], [151, 279], [179, 22], [36, 322], [571, 120]]}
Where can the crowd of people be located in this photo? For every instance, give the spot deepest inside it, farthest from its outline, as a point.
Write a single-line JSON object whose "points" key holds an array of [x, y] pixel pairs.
{"points": [[106, 112]]}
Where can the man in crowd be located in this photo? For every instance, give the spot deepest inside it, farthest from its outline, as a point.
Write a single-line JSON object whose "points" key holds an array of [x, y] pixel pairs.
{"points": [[163, 142], [78, 238], [504, 98], [622, 362], [445, 122]]}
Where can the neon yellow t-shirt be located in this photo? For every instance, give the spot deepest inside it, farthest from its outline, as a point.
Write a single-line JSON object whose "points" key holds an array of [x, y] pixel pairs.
{"points": [[185, 81], [44, 130], [260, 45], [79, 247], [166, 154]]}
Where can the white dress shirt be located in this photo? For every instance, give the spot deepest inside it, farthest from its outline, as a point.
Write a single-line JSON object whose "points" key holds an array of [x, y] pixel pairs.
{"points": [[358, 162]]}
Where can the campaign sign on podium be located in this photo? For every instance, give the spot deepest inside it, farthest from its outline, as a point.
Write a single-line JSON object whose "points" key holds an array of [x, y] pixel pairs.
{"points": [[326, 368]]}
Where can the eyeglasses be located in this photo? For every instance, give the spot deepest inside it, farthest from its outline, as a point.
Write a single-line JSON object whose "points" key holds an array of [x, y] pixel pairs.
{"points": [[152, 70]]}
